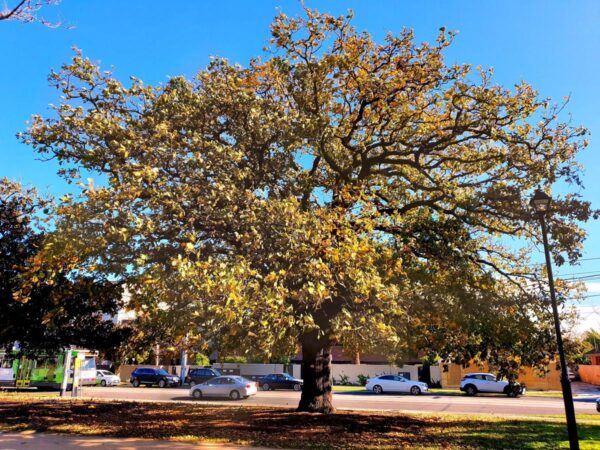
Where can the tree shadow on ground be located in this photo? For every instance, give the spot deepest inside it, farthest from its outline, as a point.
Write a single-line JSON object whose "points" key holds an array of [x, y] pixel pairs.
{"points": [[283, 427]]}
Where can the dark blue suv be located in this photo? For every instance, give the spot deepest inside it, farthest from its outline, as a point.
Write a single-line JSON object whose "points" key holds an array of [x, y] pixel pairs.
{"points": [[150, 376], [197, 376]]}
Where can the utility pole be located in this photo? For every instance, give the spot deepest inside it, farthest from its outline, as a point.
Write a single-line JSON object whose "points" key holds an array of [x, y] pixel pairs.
{"points": [[66, 368]]}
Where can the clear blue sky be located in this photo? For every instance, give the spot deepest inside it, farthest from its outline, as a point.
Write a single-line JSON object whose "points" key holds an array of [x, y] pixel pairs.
{"points": [[554, 45]]}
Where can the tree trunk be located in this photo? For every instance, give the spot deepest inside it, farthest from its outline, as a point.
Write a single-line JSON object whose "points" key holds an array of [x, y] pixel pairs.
{"points": [[316, 373]]}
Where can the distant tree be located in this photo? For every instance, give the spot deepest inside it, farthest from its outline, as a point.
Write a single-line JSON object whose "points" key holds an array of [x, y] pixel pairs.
{"points": [[233, 359], [338, 190], [200, 359], [576, 348], [27, 11], [592, 337], [52, 310]]}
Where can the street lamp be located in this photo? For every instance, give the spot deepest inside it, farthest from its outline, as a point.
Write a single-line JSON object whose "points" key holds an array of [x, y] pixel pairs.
{"points": [[540, 202]]}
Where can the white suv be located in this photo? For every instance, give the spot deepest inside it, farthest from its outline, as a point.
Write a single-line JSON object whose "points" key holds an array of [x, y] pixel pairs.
{"points": [[473, 383]]}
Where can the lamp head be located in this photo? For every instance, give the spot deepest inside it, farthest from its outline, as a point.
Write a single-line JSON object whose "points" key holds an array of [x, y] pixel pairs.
{"points": [[540, 202]]}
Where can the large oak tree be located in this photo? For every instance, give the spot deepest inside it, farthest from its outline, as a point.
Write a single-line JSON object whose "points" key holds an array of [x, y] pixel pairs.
{"points": [[338, 190]]}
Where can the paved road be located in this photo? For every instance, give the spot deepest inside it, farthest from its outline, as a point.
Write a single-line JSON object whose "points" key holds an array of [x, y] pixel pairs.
{"points": [[483, 404]]}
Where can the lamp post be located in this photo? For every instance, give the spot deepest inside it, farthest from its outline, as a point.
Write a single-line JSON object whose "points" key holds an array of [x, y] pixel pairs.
{"points": [[540, 202]]}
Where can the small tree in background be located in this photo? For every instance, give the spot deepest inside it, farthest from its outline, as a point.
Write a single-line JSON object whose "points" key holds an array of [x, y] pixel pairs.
{"points": [[51, 309], [200, 359]]}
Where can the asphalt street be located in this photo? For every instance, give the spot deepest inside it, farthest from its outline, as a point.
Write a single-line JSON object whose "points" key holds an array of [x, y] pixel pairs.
{"points": [[364, 400]]}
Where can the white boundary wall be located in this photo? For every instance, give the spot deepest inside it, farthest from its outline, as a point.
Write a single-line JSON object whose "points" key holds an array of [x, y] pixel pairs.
{"points": [[352, 371], [338, 370], [258, 369]]}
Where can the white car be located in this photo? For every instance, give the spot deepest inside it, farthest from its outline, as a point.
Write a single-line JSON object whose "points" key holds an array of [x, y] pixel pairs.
{"points": [[233, 386], [106, 378], [395, 383], [473, 383]]}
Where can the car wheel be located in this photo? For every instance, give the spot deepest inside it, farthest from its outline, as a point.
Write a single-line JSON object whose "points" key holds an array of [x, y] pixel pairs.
{"points": [[162, 383], [103, 383], [136, 383], [234, 395], [197, 394], [512, 391], [266, 387], [377, 389], [297, 387], [415, 390], [192, 383], [470, 390]]}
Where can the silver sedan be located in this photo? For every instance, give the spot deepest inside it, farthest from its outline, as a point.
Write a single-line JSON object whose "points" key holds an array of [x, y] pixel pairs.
{"points": [[234, 387]]}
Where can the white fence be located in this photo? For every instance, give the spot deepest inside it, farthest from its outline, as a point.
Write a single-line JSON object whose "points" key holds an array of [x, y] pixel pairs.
{"points": [[251, 370], [352, 371], [339, 371]]}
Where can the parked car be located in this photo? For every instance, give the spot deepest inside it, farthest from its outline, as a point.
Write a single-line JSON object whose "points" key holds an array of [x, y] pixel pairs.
{"points": [[234, 387], [279, 381], [196, 376], [107, 378], [395, 383], [151, 376], [474, 383]]}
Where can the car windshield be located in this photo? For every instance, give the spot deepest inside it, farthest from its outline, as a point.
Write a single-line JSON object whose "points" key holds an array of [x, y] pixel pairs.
{"points": [[88, 363], [162, 372]]}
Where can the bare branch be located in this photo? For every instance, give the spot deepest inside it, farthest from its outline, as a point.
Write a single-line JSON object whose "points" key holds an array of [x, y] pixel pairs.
{"points": [[26, 11]]}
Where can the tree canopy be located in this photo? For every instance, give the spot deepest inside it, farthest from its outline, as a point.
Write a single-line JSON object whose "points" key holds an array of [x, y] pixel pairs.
{"points": [[335, 190], [45, 309]]}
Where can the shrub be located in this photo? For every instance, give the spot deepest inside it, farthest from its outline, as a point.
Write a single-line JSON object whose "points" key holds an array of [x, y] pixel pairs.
{"points": [[234, 359], [344, 380], [201, 359], [362, 379]]}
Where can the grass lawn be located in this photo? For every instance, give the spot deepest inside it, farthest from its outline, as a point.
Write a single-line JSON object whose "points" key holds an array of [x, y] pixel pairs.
{"points": [[544, 394], [348, 388], [284, 428]]}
